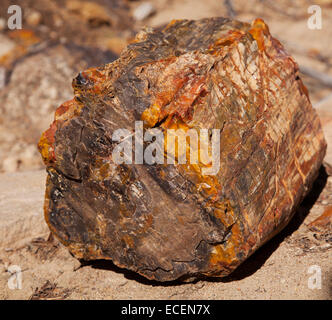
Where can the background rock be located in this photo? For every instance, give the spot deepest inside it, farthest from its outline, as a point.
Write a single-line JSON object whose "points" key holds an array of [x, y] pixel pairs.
{"points": [[38, 83], [38, 63]]}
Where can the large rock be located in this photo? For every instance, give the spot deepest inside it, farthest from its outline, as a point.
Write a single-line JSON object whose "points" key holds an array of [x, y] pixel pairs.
{"points": [[168, 221]]}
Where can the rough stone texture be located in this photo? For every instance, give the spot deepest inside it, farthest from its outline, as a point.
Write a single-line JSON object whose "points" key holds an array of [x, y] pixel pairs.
{"points": [[167, 222]]}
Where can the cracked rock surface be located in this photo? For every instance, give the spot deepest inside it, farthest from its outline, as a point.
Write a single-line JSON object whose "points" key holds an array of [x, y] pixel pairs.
{"points": [[172, 221]]}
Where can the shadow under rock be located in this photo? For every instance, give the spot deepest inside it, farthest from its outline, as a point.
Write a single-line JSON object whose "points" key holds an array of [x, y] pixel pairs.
{"points": [[131, 275], [249, 266]]}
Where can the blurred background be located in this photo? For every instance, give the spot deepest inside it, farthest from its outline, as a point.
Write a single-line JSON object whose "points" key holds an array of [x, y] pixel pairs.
{"points": [[61, 37]]}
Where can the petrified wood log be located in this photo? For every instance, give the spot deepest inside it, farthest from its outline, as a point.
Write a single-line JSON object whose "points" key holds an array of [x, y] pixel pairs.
{"points": [[167, 221]]}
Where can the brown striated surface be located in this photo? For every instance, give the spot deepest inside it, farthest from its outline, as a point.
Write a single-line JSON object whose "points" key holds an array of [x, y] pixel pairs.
{"points": [[169, 221]]}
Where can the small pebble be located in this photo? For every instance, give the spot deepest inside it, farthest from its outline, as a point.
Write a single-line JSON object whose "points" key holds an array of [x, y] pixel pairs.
{"points": [[34, 18], [57, 21], [143, 11], [6, 45]]}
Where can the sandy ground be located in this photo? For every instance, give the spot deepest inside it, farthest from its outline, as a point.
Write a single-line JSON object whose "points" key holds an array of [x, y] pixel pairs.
{"points": [[279, 270]]}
